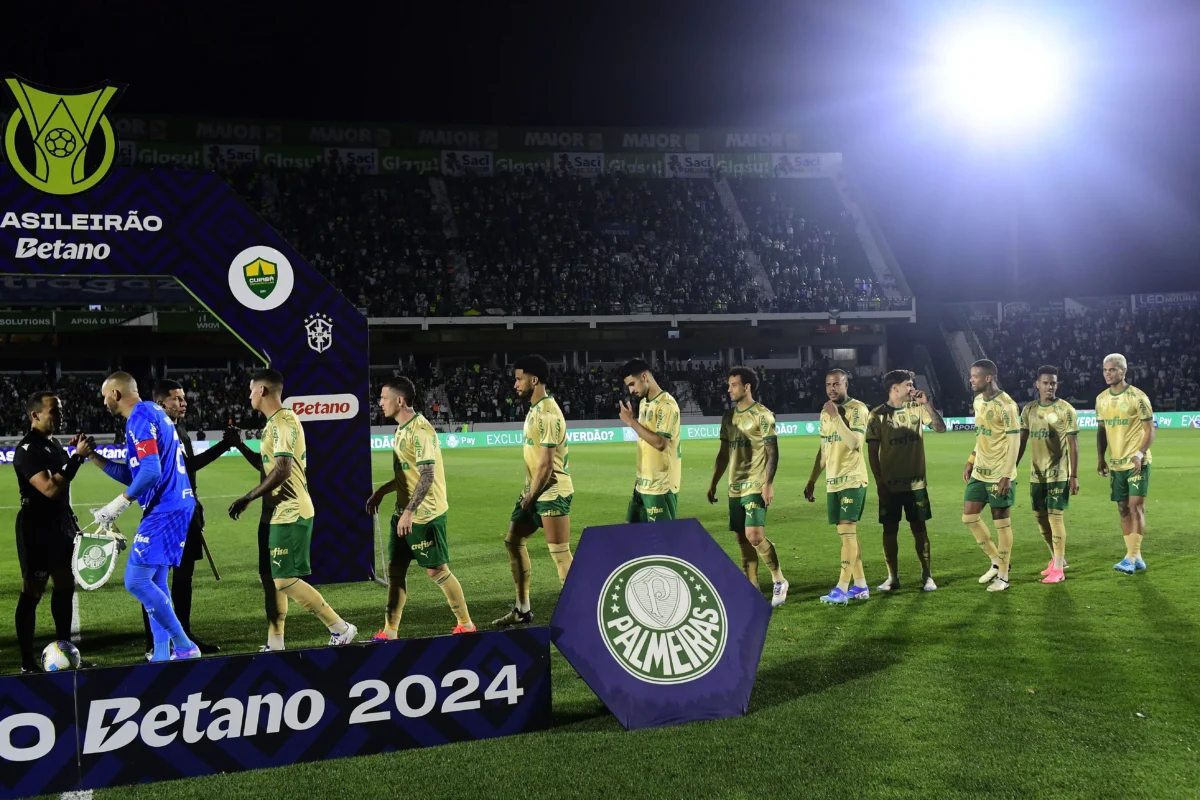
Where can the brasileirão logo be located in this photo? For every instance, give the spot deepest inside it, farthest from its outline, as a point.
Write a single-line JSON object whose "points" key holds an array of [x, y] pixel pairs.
{"points": [[62, 126], [662, 620]]}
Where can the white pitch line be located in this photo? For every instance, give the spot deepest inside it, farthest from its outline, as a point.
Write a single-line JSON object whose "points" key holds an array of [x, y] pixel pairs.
{"points": [[75, 618], [86, 794]]}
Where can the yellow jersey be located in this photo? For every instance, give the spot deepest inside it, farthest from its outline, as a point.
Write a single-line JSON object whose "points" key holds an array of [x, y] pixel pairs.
{"points": [[283, 435], [845, 468], [995, 419], [900, 433], [1122, 415], [745, 433], [545, 426], [414, 445], [659, 472], [1049, 426]]}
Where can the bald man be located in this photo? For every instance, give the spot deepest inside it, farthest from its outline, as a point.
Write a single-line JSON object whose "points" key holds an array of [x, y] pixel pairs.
{"points": [[155, 472]]}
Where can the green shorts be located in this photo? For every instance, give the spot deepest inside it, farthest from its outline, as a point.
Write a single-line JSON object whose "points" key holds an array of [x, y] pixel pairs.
{"points": [[914, 505], [1124, 485], [986, 492], [846, 505], [558, 507], [652, 507], [288, 545], [1050, 496], [747, 512], [426, 544]]}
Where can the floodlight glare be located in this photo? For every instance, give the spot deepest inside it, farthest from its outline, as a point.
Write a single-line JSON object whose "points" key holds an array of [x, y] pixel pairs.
{"points": [[998, 75]]}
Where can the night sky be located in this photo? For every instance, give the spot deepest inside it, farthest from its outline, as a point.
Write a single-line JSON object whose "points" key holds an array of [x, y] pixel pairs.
{"points": [[1106, 202]]}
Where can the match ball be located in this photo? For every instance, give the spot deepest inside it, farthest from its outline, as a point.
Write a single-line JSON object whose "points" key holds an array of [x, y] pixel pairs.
{"points": [[59, 656], [60, 142]]}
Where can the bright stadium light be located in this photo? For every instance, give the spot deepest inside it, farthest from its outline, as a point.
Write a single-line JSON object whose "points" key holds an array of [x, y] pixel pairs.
{"points": [[997, 76]]}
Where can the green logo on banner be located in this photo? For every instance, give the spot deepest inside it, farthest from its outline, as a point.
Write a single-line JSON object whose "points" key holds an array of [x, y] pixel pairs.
{"points": [[261, 277], [662, 620], [95, 558], [61, 126]]}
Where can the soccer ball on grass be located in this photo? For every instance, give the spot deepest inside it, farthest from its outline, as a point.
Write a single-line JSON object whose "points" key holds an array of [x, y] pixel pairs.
{"points": [[59, 656]]}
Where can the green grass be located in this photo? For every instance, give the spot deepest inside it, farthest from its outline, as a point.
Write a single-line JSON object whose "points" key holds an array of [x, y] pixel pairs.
{"points": [[1084, 689]]}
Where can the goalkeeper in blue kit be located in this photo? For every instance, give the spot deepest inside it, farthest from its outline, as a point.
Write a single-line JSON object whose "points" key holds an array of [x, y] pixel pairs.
{"points": [[156, 476]]}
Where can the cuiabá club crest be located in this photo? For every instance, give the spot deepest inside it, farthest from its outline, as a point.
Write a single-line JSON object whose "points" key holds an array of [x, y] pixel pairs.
{"points": [[59, 141], [662, 620]]}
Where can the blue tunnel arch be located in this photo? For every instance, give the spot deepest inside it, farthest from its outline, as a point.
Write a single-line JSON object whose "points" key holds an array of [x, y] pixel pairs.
{"points": [[193, 227]]}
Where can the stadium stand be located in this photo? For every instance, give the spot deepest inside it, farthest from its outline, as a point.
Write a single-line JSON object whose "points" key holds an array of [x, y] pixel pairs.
{"points": [[530, 242], [805, 238], [1160, 347]]}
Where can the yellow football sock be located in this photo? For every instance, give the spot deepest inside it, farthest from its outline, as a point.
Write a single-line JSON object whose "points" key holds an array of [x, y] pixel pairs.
{"points": [[1004, 543], [982, 534], [1135, 544], [1047, 529], [749, 560], [454, 596], [849, 536], [311, 600], [397, 596], [766, 549], [561, 553], [275, 626], [518, 559], [1128, 544], [1059, 526]]}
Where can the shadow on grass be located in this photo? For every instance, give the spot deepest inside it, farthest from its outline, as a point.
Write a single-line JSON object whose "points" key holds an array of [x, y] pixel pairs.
{"points": [[785, 682]]}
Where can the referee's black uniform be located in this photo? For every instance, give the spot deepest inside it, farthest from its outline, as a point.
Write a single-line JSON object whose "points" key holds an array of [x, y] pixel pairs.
{"points": [[46, 529], [193, 545]]}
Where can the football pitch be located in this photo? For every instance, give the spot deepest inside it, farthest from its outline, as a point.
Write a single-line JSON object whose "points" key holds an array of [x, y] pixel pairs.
{"points": [[1083, 689]]}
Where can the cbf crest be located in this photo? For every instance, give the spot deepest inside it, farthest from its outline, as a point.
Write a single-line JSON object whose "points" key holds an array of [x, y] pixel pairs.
{"points": [[319, 328]]}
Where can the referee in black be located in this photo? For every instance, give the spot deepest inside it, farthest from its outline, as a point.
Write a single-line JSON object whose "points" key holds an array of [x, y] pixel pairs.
{"points": [[46, 526], [170, 395]]}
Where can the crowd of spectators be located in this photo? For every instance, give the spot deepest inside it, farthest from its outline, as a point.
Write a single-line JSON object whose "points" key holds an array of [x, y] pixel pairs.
{"points": [[808, 247], [450, 395], [83, 409], [536, 244], [533, 242], [216, 399], [481, 393], [1159, 345]]}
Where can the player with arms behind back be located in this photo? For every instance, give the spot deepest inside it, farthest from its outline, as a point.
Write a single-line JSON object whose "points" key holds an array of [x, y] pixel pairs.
{"points": [[991, 471], [659, 453], [1053, 427], [285, 461], [1125, 429], [546, 500], [750, 451], [843, 428], [418, 528], [896, 449], [156, 475]]}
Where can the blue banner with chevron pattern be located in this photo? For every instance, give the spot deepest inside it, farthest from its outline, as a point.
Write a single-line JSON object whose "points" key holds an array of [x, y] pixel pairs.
{"points": [[193, 228], [95, 728]]}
